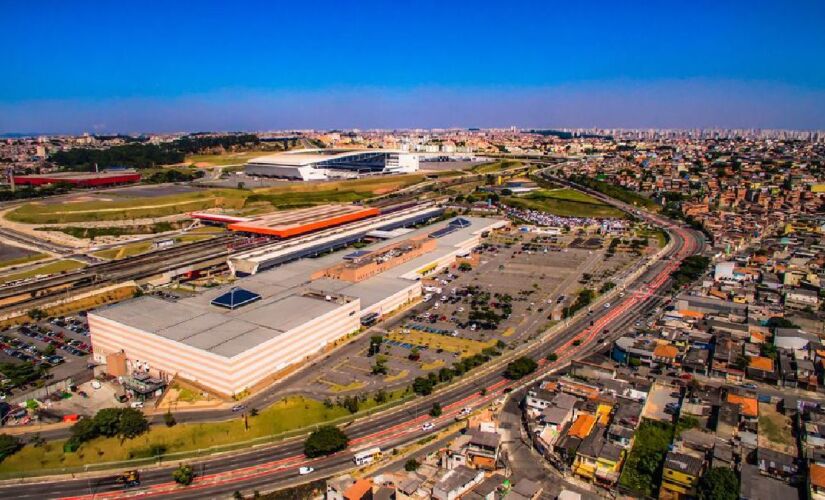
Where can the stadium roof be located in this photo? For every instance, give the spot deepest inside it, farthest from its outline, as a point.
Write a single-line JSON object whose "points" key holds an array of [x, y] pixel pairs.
{"points": [[304, 157]]}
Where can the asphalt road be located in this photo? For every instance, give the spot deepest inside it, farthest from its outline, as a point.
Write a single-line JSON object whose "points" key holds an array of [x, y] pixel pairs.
{"points": [[276, 465]]}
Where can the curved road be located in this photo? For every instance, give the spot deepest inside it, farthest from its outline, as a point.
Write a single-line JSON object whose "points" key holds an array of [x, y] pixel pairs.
{"points": [[275, 466]]}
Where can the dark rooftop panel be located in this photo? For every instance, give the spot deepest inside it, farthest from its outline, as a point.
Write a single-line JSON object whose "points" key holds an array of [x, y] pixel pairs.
{"points": [[235, 298]]}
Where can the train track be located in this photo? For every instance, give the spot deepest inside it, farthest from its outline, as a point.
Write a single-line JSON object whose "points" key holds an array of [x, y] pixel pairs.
{"points": [[33, 294]]}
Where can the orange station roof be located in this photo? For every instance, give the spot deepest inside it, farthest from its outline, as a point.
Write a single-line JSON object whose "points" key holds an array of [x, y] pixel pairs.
{"points": [[287, 223]]}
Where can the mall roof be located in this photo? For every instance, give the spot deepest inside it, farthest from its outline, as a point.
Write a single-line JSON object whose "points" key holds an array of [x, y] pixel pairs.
{"points": [[288, 299], [304, 157]]}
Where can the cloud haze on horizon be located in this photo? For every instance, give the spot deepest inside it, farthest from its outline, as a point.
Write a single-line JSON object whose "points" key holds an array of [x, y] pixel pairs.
{"points": [[670, 104], [184, 67]]}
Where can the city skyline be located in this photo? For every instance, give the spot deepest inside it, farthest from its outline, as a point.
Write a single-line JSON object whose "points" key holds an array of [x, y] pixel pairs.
{"points": [[132, 69]]}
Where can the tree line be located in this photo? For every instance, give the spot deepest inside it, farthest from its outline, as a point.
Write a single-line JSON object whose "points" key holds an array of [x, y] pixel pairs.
{"points": [[138, 155]]}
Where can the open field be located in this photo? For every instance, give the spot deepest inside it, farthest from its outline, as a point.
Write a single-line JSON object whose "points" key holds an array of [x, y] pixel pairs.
{"points": [[487, 168], [124, 251], [50, 268], [565, 203], [457, 345], [288, 414], [135, 208], [225, 159], [288, 195], [775, 430]]}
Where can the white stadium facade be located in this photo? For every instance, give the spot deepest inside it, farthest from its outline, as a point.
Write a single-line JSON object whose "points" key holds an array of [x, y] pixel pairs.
{"points": [[320, 164]]}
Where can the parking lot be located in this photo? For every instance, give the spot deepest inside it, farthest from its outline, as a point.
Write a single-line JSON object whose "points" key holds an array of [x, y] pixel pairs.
{"points": [[518, 284], [61, 346]]}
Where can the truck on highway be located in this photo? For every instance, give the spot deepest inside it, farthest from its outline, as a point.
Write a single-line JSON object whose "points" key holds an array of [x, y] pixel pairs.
{"points": [[129, 479]]}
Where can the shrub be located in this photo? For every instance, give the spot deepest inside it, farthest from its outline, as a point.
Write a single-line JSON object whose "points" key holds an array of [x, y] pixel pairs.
{"points": [[184, 475], [9, 445]]}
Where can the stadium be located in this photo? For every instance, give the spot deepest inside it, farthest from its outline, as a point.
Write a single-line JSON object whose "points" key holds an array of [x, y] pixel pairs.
{"points": [[244, 336], [320, 164]]}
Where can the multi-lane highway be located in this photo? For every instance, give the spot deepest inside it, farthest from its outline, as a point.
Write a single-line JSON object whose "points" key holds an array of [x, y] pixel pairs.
{"points": [[277, 465]]}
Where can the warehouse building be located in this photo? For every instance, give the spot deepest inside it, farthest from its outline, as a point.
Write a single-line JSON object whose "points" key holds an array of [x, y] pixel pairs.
{"points": [[242, 337], [321, 164], [80, 179]]}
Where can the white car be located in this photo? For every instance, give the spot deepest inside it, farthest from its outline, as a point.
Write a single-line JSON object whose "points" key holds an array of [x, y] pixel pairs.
{"points": [[606, 306], [137, 404], [428, 426], [305, 470]]}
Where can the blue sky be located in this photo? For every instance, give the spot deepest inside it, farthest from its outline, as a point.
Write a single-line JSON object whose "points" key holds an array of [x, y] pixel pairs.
{"points": [[165, 66]]}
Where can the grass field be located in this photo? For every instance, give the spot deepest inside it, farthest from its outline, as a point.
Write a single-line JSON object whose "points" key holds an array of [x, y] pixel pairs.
{"points": [[134, 208], [123, 251], [26, 259], [225, 159], [465, 347], [775, 430], [564, 203], [50, 268], [288, 414], [488, 168], [291, 195]]}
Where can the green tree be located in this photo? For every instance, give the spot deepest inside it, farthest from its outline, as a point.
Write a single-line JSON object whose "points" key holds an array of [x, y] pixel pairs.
{"points": [[411, 465], [132, 423], [519, 368], [375, 345], [465, 266], [37, 314], [380, 366], [552, 357], [107, 421], [84, 430], [436, 411], [351, 403], [9, 445], [326, 440], [169, 419], [718, 483], [184, 475], [49, 350], [423, 386]]}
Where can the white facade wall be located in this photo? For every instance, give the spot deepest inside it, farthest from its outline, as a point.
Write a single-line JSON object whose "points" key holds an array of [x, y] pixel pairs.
{"points": [[394, 301], [226, 375]]}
